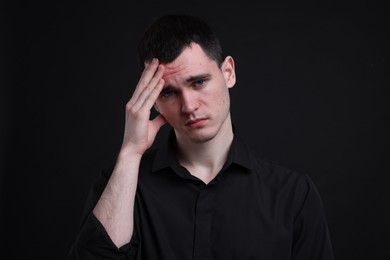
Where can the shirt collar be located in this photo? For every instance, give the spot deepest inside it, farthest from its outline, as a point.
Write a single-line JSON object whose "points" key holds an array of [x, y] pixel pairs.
{"points": [[166, 154]]}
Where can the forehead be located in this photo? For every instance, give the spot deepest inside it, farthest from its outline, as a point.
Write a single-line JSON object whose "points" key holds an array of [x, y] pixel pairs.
{"points": [[193, 60]]}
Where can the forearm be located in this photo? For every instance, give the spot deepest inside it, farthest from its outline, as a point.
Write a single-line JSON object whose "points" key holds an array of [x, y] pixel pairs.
{"points": [[116, 205]]}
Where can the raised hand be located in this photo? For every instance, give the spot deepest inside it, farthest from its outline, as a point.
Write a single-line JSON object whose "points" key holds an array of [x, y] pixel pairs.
{"points": [[140, 131]]}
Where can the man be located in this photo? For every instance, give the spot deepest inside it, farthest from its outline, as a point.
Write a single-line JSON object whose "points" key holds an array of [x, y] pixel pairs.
{"points": [[205, 194]]}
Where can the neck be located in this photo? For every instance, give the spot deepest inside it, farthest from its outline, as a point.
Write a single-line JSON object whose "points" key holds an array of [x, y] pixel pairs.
{"points": [[205, 160]]}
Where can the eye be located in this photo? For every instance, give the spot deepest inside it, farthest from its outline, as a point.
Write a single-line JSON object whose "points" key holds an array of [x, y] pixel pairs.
{"points": [[167, 92], [198, 83]]}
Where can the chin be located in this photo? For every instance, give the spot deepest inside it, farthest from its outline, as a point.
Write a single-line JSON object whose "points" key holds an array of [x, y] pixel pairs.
{"points": [[201, 140], [201, 137]]}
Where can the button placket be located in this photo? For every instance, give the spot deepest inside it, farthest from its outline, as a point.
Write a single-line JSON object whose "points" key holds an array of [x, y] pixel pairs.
{"points": [[203, 218]]}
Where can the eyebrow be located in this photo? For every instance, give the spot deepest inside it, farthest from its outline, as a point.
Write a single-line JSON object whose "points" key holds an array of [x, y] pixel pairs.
{"points": [[190, 79], [198, 77]]}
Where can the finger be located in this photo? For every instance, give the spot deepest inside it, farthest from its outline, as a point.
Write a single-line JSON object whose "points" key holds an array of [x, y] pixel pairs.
{"points": [[147, 75], [153, 95], [155, 126], [150, 93], [158, 122]]}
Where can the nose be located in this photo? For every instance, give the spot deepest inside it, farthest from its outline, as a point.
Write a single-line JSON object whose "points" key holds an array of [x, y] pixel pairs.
{"points": [[190, 102]]}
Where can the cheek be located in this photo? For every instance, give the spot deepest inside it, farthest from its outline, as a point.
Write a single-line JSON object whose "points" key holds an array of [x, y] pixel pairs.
{"points": [[223, 97], [166, 110], [223, 105]]}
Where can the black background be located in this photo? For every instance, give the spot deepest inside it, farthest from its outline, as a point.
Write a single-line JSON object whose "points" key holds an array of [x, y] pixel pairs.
{"points": [[311, 94]]}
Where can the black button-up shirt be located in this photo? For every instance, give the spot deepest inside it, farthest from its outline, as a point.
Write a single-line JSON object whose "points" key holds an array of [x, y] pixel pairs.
{"points": [[253, 209]]}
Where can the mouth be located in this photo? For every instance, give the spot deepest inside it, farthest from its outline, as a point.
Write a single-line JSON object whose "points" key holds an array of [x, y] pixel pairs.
{"points": [[196, 123]]}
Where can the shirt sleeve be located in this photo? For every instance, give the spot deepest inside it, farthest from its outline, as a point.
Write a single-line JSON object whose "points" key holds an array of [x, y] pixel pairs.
{"points": [[92, 241], [311, 239]]}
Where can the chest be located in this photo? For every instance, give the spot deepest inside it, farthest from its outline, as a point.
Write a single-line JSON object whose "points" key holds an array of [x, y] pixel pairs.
{"points": [[232, 218]]}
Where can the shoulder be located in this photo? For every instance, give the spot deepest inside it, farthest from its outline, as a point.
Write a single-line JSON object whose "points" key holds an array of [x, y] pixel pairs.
{"points": [[294, 188], [149, 155], [277, 176], [268, 168]]}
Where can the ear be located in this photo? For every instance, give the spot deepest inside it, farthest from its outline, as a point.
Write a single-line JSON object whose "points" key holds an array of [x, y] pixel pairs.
{"points": [[228, 71]]}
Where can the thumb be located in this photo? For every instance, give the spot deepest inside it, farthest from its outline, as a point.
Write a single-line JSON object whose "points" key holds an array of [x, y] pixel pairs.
{"points": [[154, 127], [158, 122]]}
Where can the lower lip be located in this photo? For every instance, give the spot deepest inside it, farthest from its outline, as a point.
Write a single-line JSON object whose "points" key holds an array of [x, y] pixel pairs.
{"points": [[197, 124]]}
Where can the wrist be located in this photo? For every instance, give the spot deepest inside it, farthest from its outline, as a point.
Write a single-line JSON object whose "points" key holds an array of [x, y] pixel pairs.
{"points": [[127, 153]]}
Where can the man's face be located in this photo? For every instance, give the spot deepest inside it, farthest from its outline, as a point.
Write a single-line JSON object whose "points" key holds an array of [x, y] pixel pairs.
{"points": [[195, 98]]}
